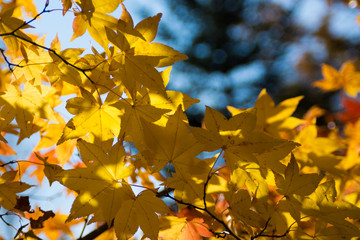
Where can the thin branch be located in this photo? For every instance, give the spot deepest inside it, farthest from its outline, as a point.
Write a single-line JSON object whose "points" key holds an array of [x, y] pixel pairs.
{"points": [[97, 232], [164, 192], [83, 229], [18, 231], [8, 224], [20, 161], [261, 233], [230, 232], [263, 230], [33, 19], [10, 64], [209, 177], [13, 33]]}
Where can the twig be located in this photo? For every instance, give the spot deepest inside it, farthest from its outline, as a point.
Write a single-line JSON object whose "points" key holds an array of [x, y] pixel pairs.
{"points": [[18, 231], [33, 19], [5, 164], [230, 232], [209, 177], [8, 224], [83, 229], [13, 33], [10, 64], [260, 234], [20, 161], [164, 192], [97, 232], [262, 230]]}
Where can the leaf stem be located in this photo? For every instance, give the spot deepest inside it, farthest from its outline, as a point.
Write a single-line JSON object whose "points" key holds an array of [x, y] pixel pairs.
{"points": [[209, 177], [83, 229]]}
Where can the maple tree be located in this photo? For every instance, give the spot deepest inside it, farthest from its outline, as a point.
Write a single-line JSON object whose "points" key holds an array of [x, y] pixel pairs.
{"points": [[261, 173]]}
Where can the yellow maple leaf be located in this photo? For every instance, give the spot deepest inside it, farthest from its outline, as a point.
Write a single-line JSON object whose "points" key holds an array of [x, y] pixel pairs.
{"points": [[50, 136], [170, 144], [58, 71], [102, 121], [27, 6], [139, 211], [93, 18], [172, 99], [323, 204], [271, 118], [10, 22], [189, 180], [135, 58], [66, 5], [32, 65], [347, 78], [238, 138], [152, 107], [295, 183], [99, 74], [148, 27], [352, 132], [250, 175], [136, 109], [100, 184], [318, 151], [25, 105], [240, 203]]}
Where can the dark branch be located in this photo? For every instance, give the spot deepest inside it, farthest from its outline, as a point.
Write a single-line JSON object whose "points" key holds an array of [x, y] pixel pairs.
{"points": [[261, 233], [10, 64], [230, 232], [97, 232], [13, 33]]}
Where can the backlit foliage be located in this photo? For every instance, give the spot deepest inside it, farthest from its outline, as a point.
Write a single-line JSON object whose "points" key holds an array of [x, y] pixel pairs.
{"points": [[261, 173]]}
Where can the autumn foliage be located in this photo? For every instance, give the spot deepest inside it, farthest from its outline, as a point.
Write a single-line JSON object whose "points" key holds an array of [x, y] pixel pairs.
{"points": [[259, 174]]}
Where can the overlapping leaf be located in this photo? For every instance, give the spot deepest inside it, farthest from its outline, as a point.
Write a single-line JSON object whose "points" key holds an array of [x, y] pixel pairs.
{"points": [[174, 228], [170, 144], [100, 184], [137, 58], [24, 105], [102, 121], [271, 118], [295, 183], [94, 18], [238, 137], [139, 211], [9, 189]]}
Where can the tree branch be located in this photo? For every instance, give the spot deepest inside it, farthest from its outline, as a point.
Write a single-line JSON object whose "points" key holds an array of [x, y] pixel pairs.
{"points": [[10, 64], [13, 33], [230, 232], [261, 233], [97, 232]]}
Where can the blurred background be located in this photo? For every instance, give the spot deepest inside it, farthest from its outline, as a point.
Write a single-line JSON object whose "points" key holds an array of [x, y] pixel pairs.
{"points": [[238, 47], [235, 48]]}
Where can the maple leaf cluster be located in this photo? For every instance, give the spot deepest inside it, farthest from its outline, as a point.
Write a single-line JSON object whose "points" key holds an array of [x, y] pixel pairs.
{"points": [[259, 173]]}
